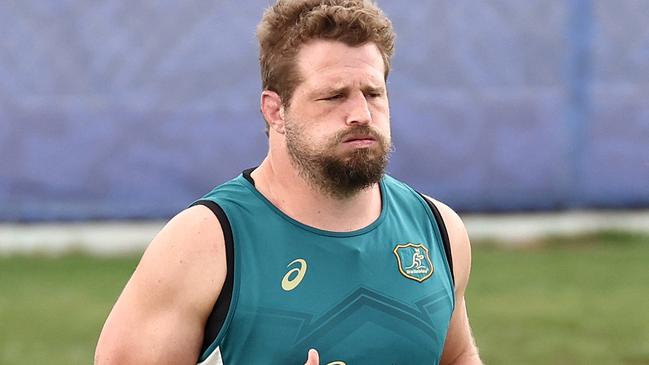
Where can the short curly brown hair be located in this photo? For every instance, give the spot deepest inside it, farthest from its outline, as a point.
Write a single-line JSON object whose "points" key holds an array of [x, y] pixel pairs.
{"points": [[289, 24]]}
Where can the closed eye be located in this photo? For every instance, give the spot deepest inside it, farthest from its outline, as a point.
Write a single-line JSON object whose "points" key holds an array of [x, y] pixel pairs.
{"points": [[374, 92], [332, 97]]}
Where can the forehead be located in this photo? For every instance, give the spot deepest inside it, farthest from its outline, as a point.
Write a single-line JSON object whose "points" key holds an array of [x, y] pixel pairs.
{"points": [[331, 63]]}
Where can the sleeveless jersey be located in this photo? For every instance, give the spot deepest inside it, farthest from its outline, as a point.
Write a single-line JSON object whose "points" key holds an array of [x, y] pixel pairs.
{"points": [[382, 294]]}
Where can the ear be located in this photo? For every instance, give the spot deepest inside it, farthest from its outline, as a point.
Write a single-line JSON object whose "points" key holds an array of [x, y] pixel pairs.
{"points": [[273, 110]]}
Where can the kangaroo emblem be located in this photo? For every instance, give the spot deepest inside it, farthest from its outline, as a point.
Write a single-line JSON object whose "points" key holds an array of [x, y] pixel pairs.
{"points": [[417, 257]]}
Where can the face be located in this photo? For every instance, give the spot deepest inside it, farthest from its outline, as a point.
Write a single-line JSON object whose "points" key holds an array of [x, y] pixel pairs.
{"points": [[337, 126]]}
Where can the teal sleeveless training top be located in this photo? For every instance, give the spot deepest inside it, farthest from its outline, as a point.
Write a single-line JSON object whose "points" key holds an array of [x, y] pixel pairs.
{"points": [[380, 295]]}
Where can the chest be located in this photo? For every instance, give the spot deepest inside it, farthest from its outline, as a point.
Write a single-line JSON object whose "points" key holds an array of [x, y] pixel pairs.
{"points": [[379, 297]]}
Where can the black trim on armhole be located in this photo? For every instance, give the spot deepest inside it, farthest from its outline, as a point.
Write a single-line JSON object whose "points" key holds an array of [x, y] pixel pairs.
{"points": [[443, 232], [220, 311]]}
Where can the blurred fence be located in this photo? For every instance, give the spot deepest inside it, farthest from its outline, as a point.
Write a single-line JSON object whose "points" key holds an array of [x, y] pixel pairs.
{"points": [[125, 109]]}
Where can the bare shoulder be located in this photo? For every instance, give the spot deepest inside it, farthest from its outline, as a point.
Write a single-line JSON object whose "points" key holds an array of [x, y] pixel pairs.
{"points": [[191, 234], [460, 244], [191, 245], [160, 315]]}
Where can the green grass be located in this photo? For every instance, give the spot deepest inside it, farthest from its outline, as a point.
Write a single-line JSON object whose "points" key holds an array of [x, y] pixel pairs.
{"points": [[581, 300], [52, 309]]}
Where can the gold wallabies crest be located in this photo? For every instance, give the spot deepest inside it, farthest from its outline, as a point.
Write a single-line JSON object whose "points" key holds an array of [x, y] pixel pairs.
{"points": [[413, 261]]}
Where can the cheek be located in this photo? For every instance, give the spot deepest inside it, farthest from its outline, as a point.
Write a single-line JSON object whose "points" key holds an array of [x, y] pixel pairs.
{"points": [[382, 120], [312, 136], [381, 111], [319, 129]]}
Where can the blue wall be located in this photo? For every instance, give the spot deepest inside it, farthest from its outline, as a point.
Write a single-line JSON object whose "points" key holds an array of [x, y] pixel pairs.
{"points": [[133, 109]]}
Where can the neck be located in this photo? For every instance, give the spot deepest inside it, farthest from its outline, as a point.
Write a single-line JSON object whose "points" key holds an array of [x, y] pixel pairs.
{"points": [[281, 183]]}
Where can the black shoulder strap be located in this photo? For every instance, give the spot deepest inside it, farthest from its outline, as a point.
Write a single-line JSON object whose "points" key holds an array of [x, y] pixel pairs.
{"points": [[247, 174], [443, 232], [217, 317]]}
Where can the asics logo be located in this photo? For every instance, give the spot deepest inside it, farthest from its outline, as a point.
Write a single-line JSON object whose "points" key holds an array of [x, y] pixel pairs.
{"points": [[294, 277]]}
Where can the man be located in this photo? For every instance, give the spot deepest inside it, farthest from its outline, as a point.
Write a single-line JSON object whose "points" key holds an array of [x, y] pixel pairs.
{"points": [[315, 253]]}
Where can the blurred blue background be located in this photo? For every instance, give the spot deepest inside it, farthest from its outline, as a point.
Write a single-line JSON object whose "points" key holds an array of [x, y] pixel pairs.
{"points": [[123, 109]]}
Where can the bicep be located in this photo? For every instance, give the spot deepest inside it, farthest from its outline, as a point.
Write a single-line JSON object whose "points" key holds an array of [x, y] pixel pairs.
{"points": [[459, 339], [459, 344], [160, 316]]}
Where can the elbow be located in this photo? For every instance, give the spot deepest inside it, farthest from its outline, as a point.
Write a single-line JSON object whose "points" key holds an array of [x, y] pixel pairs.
{"points": [[468, 357], [111, 353], [104, 356]]}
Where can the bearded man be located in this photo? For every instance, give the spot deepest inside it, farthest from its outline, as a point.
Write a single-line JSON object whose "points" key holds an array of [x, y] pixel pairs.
{"points": [[315, 253]]}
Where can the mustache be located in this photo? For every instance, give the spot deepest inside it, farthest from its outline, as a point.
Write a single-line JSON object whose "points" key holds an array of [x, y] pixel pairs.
{"points": [[363, 130]]}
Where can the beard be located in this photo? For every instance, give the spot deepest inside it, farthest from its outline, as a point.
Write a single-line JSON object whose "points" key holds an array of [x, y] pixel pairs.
{"points": [[338, 174]]}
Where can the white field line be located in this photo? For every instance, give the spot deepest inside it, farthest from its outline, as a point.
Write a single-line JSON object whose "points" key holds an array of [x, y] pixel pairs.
{"points": [[512, 229], [102, 238], [110, 238]]}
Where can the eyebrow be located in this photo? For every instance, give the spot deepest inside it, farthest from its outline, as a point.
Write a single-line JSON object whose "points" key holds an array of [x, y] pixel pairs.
{"points": [[345, 90], [374, 89]]}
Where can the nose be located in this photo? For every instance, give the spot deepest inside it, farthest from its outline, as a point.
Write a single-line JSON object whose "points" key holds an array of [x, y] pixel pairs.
{"points": [[359, 110]]}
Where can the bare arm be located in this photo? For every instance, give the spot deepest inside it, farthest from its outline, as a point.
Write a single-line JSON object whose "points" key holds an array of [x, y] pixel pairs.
{"points": [[160, 316], [460, 347]]}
